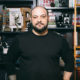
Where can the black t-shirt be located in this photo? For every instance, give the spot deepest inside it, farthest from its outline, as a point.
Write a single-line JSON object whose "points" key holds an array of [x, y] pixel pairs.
{"points": [[39, 56]]}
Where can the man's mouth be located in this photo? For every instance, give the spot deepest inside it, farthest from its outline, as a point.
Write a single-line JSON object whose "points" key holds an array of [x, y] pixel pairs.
{"points": [[39, 24]]}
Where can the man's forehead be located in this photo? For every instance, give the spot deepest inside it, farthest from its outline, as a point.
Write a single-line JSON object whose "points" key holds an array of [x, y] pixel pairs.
{"points": [[39, 9]]}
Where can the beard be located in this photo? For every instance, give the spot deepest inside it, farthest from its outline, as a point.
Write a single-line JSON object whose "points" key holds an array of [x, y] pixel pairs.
{"points": [[40, 30]]}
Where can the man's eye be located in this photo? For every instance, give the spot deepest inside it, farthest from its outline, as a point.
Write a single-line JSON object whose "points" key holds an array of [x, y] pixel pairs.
{"points": [[34, 17], [43, 16]]}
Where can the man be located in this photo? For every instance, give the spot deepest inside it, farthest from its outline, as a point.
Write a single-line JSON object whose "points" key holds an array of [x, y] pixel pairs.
{"points": [[39, 51]]}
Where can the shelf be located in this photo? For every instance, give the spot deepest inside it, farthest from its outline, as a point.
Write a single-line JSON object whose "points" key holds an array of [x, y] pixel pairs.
{"points": [[14, 3], [60, 29], [78, 62], [51, 29], [17, 0], [77, 47], [77, 25], [77, 56], [60, 9], [77, 4], [10, 33], [78, 68]]}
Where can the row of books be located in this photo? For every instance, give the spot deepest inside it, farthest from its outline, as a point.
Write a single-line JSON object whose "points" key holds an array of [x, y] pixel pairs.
{"points": [[78, 40], [77, 19], [56, 3], [52, 20], [48, 3], [72, 3], [52, 3], [77, 58]]}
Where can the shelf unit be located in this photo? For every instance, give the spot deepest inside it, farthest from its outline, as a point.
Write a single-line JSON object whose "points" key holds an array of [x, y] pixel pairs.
{"points": [[16, 3], [62, 10], [75, 38], [24, 3]]}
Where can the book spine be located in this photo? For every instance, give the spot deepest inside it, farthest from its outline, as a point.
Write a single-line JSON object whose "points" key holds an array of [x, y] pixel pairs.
{"points": [[45, 3], [71, 3]]}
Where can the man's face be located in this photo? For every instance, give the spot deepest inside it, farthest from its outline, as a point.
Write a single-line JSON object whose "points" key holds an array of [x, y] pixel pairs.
{"points": [[39, 19]]}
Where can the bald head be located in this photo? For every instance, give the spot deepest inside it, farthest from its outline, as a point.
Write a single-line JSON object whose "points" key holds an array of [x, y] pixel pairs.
{"points": [[39, 8]]}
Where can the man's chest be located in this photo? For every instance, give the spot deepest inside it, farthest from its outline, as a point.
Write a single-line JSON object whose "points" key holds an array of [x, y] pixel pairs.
{"points": [[39, 47]]}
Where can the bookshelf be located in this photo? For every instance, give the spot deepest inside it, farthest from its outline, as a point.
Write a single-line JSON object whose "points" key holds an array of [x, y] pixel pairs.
{"points": [[15, 2], [8, 36], [76, 46], [29, 3]]}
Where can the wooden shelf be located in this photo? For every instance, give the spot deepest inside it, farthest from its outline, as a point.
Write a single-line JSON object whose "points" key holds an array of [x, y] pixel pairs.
{"points": [[77, 25], [78, 68], [78, 47], [77, 4], [77, 56]]}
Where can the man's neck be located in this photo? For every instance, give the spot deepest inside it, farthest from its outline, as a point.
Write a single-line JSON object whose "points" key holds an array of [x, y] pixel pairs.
{"points": [[40, 34]]}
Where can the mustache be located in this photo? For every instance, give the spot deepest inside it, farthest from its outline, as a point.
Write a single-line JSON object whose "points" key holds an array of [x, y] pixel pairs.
{"points": [[39, 23]]}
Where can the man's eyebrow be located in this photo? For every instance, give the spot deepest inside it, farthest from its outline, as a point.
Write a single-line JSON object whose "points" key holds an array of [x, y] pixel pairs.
{"points": [[41, 14]]}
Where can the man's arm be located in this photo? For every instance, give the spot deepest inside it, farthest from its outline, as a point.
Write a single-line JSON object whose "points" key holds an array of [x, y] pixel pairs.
{"points": [[67, 75], [11, 58], [68, 58]]}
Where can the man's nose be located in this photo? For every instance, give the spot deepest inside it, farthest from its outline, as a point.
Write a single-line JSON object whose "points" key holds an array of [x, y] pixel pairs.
{"points": [[39, 19]]}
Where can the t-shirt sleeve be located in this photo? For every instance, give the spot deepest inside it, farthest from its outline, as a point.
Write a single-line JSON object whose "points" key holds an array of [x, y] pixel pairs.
{"points": [[67, 56], [12, 56]]}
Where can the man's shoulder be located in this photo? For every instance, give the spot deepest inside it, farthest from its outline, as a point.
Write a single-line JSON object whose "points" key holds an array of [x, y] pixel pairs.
{"points": [[23, 34], [56, 34]]}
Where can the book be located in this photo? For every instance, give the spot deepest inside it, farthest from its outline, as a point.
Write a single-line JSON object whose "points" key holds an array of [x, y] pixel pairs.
{"points": [[78, 1], [78, 38], [1, 17], [34, 3], [71, 3], [77, 19], [52, 21], [46, 3]]}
